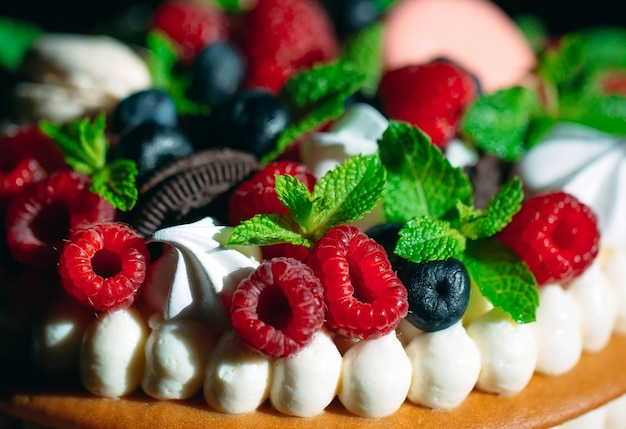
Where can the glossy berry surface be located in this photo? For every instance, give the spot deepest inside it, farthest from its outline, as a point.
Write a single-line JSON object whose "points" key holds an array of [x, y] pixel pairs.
{"points": [[431, 96], [190, 25], [150, 105], [104, 266], [364, 297], [280, 37], [152, 146], [555, 234], [438, 293], [27, 158], [250, 121], [258, 194], [278, 308], [217, 73], [40, 219], [351, 16]]}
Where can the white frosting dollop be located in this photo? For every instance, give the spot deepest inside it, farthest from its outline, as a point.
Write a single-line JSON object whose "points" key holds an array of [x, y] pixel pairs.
{"points": [[445, 364], [375, 377], [176, 356], [303, 385], [614, 261], [69, 76], [508, 352], [616, 413], [594, 419], [237, 380], [591, 166], [356, 132], [112, 356], [58, 335], [196, 272], [557, 330], [594, 295]]}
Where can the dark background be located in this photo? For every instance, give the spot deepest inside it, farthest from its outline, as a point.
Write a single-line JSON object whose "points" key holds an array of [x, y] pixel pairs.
{"points": [[81, 15]]}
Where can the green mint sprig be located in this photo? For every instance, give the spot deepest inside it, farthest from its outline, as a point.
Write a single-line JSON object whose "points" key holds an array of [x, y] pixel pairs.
{"points": [[162, 63], [85, 147], [434, 201], [364, 51], [571, 75], [341, 196], [16, 37], [502, 278], [420, 180]]}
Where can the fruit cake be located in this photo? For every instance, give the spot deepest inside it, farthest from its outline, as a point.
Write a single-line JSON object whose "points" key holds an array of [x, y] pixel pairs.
{"points": [[302, 213]]}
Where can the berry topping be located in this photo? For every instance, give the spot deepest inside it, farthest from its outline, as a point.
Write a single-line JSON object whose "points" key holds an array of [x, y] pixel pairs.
{"points": [[150, 105], [191, 25], [555, 234], [364, 298], [104, 266], [278, 308], [41, 218], [351, 16], [280, 37], [438, 293], [152, 146], [250, 121], [216, 74], [386, 234], [27, 157], [431, 96], [258, 194]]}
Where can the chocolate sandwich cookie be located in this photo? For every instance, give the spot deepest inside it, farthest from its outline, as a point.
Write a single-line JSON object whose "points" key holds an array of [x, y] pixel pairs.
{"points": [[189, 189]]}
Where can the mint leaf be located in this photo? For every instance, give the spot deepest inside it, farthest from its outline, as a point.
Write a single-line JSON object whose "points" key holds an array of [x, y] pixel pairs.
{"points": [[498, 123], [364, 52], [420, 180], [503, 278], [266, 229], [16, 38], [162, 64], [232, 5], [602, 112], [477, 224], [560, 66], [383, 5], [116, 183], [425, 239], [83, 143], [85, 147], [342, 195], [346, 192], [295, 197], [315, 96]]}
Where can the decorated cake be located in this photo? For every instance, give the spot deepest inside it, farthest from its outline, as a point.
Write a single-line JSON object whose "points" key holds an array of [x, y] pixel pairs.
{"points": [[303, 213]]}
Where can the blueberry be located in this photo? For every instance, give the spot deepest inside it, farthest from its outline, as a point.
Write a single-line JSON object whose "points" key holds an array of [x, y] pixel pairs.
{"points": [[150, 105], [216, 73], [250, 121], [350, 16], [386, 234], [152, 146], [438, 293]]}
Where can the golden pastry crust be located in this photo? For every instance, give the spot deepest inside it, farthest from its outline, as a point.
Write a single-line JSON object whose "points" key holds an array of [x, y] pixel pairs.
{"points": [[546, 402]]}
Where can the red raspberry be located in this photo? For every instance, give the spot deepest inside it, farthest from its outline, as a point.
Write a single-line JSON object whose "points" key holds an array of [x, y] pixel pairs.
{"points": [[258, 194], [364, 297], [44, 215], [27, 157], [555, 234], [279, 37], [104, 266], [431, 96], [191, 25], [613, 82], [279, 307]]}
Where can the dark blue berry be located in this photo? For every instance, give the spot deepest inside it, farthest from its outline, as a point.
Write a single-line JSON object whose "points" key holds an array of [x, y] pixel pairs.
{"points": [[150, 105], [350, 16], [386, 234], [216, 73], [250, 121], [438, 293], [152, 146]]}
